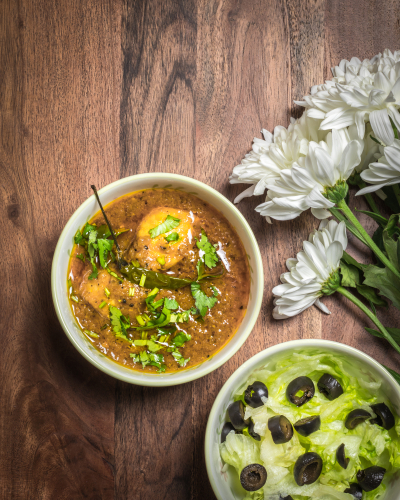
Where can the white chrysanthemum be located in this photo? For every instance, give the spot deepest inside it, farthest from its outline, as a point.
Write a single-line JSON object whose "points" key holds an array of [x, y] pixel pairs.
{"points": [[385, 172], [357, 91], [326, 167], [314, 272], [276, 152]]}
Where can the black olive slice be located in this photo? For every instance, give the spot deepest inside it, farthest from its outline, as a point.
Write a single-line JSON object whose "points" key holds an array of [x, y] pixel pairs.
{"points": [[281, 429], [285, 498], [341, 457], [355, 418], [329, 386], [252, 433], [307, 468], [384, 417], [354, 490], [369, 479], [253, 477], [308, 425], [300, 384], [226, 429], [254, 393], [236, 415]]}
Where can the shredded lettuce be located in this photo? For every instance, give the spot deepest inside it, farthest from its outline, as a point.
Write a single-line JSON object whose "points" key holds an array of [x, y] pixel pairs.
{"points": [[368, 444]]}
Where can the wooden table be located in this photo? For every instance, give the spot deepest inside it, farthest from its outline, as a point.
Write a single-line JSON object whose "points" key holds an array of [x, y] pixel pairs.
{"points": [[93, 91]]}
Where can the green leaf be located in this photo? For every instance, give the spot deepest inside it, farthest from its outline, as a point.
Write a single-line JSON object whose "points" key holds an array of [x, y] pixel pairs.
{"points": [[78, 237], [351, 261], [93, 275], [171, 304], [391, 199], [202, 301], [180, 339], [376, 217], [172, 237], [105, 246], [81, 256], [394, 332], [385, 281], [210, 257], [87, 228], [350, 274], [119, 322], [179, 358], [371, 295], [169, 223], [394, 374], [377, 238], [153, 279]]}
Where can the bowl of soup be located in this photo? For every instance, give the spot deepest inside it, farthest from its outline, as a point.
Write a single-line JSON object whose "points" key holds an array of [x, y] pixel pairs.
{"points": [[162, 287]]}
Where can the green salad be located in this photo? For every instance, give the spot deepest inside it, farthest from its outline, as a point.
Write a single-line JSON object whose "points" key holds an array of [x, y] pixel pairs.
{"points": [[306, 426]]}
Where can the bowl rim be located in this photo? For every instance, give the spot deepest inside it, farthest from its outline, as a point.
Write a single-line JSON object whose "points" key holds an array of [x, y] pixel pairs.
{"points": [[197, 371], [290, 344]]}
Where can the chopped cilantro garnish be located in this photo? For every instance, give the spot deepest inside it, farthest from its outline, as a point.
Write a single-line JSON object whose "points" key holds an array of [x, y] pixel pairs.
{"points": [[74, 298], [142, 280], [91, 334], [202, 301], [150, 358], [105, 246], [180, 339], [81, 256], [78, 237], [119, 322], [209, 255], [107, 292], [169, 223], [172, 237], [161, 261], [102, 304], [171, 304], [179, 358], [181, 317]]}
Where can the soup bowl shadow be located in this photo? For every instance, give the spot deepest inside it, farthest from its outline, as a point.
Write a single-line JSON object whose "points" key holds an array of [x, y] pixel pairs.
{"points": [[62, 254], [225, 481]]}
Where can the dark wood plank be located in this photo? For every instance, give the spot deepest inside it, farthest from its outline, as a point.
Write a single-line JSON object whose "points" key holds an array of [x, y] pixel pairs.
{"points": [[94, 91], [57, 133]]}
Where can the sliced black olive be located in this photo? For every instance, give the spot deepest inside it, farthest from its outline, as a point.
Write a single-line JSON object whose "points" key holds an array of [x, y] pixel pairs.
{"points": [[285, 498], [307, 468], [300, 384], [253, 477], [281, 429], [356, 417], [384, 417], [252, 433], [341, 457], [330, 386], [354, 490], [236, 415], [308, 425], [254, 393], [369, 479], [226, 429]]}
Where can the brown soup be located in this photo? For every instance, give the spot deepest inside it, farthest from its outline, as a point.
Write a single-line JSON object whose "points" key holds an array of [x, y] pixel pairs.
{"points": [[182, 292]]}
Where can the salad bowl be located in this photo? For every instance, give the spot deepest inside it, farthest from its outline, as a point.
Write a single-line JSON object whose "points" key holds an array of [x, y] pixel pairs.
{"points": [[223, 478]]}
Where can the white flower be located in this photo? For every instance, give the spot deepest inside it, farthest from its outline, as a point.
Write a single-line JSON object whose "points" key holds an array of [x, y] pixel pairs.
{"points": [[314, 272], [357, 91], [326, 168], [385, 172], [276, 152]]}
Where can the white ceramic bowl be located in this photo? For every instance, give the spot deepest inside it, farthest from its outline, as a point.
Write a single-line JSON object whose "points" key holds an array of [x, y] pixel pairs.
{"points": [[226, 485], [60, 267]]}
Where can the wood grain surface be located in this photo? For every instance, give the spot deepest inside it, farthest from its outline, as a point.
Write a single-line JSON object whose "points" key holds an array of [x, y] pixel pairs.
{"points": [[95, 90]]}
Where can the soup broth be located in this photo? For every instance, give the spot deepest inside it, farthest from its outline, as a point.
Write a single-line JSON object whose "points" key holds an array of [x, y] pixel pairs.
{"points": [[163, 234]]}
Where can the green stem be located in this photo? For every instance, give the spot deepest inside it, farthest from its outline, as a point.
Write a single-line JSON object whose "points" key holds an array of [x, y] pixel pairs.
{"points": [[371, 316], [372, 245], [396, 190]]}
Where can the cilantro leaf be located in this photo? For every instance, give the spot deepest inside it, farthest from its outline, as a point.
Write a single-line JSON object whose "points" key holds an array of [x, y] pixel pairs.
{"points": [[171, 237], [119, 322], [169, 223], [181, 338], [208, 252], [171, 304], [81, 256], [78, 237], [179, 358], [105, 246], [93, 275], [202, 301], [87, 228]]}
